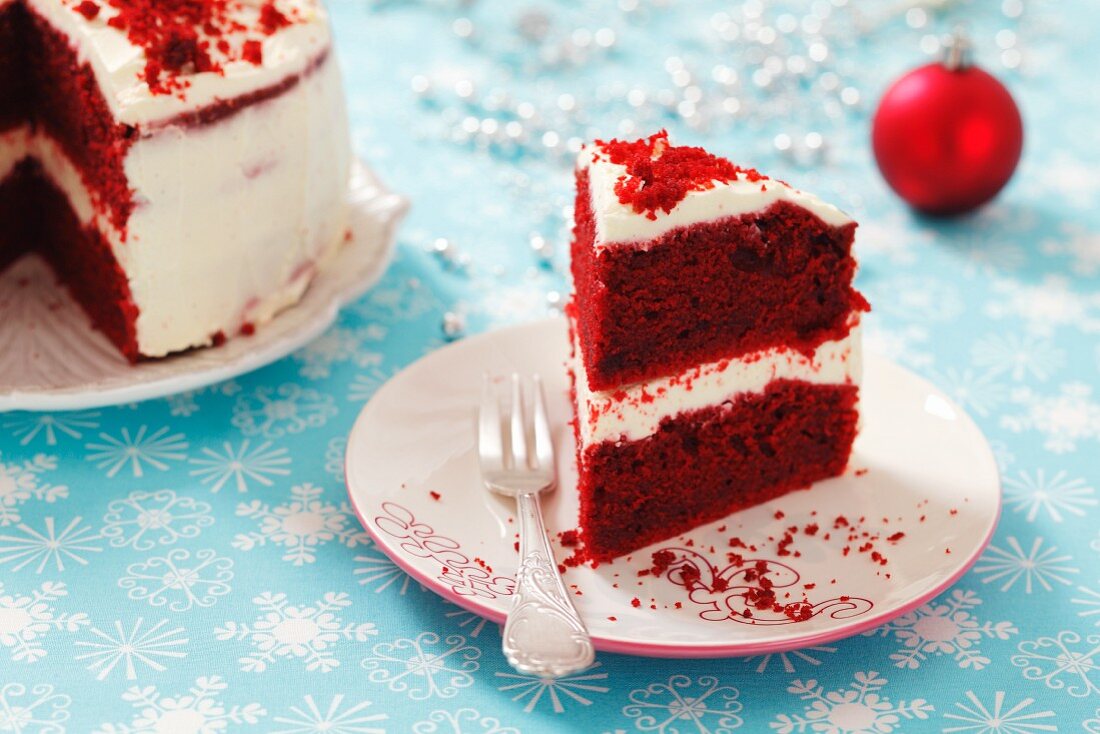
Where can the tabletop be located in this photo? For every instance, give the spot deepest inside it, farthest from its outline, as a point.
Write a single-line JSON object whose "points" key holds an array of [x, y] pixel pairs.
{"points": [[191, 564]]}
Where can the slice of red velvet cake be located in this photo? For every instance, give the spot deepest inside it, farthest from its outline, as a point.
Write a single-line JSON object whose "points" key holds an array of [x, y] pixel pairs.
{"points": [[715, 332]]}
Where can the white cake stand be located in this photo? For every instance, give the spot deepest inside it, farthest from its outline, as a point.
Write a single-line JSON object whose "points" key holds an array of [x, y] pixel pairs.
{"points": [[50, 358]]}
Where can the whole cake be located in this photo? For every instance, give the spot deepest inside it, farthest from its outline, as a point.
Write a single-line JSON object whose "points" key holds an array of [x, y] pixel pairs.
{"points": [[181, 164], [715, 337]]}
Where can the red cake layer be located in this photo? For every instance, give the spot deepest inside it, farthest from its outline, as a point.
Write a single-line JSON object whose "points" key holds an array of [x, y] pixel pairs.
{"points": [[710, 291], [78, 255], [702, 465], [13, 82]]}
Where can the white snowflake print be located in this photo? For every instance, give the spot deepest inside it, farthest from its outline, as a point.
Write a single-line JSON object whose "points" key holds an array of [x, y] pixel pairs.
{"points": [[186, 404], [977, 718], [892, 237], [943, 628], [48, 547], [1030, 493], [29, 426], [907, 344], [531, 689], [1089, 601], [138, 451], [38, 709], [364, 385], [130, 648], [198, 711], [915, 298], [861, 707], [241, 465], [309, 717], [1066, 419], [145, 520], [703, 703], [1068, 177], [460, 721], [1019, 357], [1045, 306], [25, 619], [1002, 455], [1065, 662], [509, 304], [424, 667], [338, 345], [789, 661], [276, 412], [376, 571], [334, 457], [1036, 567], [402, 302], [300, 525], [22, 481], [979, 393], [475, 622], [1081, 245], [1092, 726], [178, 580], [307, 633]]}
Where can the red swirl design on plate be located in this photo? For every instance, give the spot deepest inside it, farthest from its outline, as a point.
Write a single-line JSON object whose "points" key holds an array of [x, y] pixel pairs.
{"points": [[418, 539], [729, 592]]}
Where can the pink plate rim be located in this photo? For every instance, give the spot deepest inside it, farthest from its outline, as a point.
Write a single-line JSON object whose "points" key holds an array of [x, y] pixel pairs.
{"points": [[701, 650]]}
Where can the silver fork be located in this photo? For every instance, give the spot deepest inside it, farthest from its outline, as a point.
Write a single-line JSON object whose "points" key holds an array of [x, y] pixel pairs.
{"points": [[543, 635]]}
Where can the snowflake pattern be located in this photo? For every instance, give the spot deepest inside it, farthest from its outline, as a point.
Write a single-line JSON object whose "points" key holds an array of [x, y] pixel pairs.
{"points": [[138, 645], [1066, 420], [364, 385], [531, 689], [703, 703], [861, 707], [1036, 567], [28, 427], [300, 525], [309, 717], [788, 662], [22, 481], [334, 457], [979, 393], [241, 465], [339, 345], [427, 666], [186, 403], [460, 721], [945, 627], [49, 548], [1062, 662], [26, 619], [200, 710], [1044, 307], [308, 633], [907, 344], [276, 412], [139, 450], [1019, 357], [1031, 493], [1081, 245], [1089, 602], [376, 571], [475, 622], [145, 520], [178, 580], [978, 718], [36, 709]]}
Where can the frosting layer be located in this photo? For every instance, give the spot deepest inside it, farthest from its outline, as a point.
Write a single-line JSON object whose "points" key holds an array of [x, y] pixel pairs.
{"points": [[617, 223], [634, 412]]}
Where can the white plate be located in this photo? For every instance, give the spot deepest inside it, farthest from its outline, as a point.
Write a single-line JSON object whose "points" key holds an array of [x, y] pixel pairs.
{"points": [[918, 455], [50, 358]]}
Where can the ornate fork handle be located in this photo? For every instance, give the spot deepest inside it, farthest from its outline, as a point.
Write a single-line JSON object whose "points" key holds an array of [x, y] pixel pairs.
{"points": [[544, 635]]}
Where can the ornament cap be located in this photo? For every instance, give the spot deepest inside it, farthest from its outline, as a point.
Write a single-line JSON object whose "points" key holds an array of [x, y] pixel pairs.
{"points": [[957, 50]]}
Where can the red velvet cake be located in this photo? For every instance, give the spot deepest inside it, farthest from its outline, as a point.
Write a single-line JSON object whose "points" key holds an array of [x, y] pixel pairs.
{"points": [[715, 332], [181, 164]]}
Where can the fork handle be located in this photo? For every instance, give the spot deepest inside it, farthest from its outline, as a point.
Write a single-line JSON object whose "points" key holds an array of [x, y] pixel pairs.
{"points": [[543, 635]]}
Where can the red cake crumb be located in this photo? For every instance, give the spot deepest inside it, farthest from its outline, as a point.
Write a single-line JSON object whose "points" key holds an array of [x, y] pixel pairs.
{"points": [[435, 495], [569, 538], [253, 52], [896, 537], [635, 602], [779, 515], [613, 619], [88, 9], [660, 175], [860, 472], [218, 339], [248, 328]]}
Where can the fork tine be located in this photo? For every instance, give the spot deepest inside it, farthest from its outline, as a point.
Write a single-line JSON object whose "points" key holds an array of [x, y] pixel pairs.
{"points": [[489, 445], [520, 454], [544, 446]]}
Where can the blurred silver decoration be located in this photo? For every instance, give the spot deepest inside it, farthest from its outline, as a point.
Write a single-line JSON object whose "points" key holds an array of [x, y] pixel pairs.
{"points": [[454, 325]]}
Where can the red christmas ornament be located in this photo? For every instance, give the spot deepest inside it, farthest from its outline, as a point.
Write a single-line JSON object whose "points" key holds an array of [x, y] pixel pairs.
{"points": [[947, 136]]}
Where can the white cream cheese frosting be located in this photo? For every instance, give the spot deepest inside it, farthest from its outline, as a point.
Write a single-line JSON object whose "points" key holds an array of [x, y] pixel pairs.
{"points": [[634, 412], [119, 64], [618, 223]]}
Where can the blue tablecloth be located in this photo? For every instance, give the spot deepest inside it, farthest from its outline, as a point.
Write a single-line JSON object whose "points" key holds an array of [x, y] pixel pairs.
{"points": [[191, 563]]}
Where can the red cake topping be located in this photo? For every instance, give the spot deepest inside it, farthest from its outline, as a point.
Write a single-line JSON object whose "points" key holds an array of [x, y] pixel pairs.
{"points": [[179, 36], [660, 175]]}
